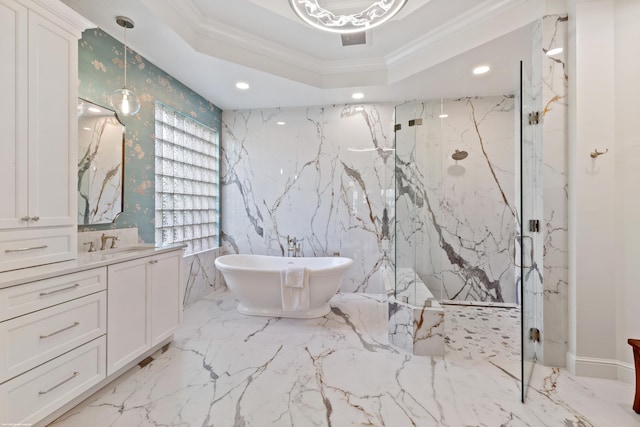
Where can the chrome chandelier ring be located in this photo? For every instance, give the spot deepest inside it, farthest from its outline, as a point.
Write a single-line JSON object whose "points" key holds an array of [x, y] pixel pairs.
{"points": [[378, 12]]}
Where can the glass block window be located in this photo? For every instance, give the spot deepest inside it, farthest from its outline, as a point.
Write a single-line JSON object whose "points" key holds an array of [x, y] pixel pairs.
{"points": [[187, 181]]}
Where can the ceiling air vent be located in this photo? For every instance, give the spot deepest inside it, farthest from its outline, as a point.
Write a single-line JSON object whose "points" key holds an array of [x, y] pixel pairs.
{"points": [[353, 39]]}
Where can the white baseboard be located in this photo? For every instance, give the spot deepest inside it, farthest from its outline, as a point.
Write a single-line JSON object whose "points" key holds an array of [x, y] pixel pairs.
{"points": [[600, 368], [626, 373]]}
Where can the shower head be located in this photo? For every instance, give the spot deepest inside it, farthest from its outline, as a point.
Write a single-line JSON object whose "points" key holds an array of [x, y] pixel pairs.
{"points": [[459, 155]]}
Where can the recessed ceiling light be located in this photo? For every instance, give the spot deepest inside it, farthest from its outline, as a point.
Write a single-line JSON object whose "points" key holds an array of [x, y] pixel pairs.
{"points": [[358, 95], [443, 116], [94, 110], [242, 85], [554, 51], [281, 123], [481, 69]]}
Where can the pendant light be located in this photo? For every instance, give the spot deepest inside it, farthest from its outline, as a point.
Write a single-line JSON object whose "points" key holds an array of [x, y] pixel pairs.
{"points": [[124, 101]]}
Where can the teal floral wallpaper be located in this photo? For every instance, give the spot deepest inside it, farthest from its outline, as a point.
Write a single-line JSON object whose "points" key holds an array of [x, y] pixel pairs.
{"points": [[101, 71]]}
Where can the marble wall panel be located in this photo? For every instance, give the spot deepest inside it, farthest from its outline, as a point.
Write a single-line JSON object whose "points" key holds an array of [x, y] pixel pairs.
{"points": [[327, 176], [320, 177], [555, 181], [459, 214], [531, 275], [201, 278]]}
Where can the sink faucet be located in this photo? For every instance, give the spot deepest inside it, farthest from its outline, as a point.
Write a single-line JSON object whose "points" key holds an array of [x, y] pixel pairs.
{"points": [[294, 246], [103, 240]]}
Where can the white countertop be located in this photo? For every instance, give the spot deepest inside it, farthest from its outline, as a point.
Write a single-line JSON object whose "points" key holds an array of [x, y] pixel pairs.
{"points": [[85, 261]]}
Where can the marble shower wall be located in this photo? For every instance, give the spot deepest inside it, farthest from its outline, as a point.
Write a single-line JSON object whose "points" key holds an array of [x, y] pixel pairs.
{"points": [[460, 215], [555, 186], [320, 178]]}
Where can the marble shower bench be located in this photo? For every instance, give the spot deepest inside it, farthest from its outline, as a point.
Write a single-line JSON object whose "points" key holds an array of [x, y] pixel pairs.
{"points": [[416, 319]]}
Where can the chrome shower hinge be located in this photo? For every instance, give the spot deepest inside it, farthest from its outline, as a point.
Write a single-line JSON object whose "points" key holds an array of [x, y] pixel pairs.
{"points": [[534, 334], [534, 225], [534, 117]]}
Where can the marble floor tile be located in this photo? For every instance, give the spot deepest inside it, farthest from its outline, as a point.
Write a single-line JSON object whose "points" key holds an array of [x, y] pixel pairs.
{"points": [[482, 333], [226, 369]]}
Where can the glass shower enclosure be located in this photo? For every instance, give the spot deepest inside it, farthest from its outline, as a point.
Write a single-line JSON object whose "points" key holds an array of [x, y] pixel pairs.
{"points": [[467, 198]]}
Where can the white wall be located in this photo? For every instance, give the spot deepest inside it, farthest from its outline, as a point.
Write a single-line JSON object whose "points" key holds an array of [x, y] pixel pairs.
{"points": [[603, 283], [627, 165]]}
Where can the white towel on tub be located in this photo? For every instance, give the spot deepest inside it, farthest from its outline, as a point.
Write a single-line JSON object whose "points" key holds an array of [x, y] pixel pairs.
{"points": [[294, 288]]}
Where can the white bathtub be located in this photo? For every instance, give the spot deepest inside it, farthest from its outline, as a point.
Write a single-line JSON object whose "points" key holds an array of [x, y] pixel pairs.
{"points": [[255, 281]]}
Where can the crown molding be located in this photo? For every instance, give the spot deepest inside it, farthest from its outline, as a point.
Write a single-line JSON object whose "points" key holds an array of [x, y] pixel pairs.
{"points": [[66, 17], [470, 18], [210, 36], [223, 41], [470, 30]]}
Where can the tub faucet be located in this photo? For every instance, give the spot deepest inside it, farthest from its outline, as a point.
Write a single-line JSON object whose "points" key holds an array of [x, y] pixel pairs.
{"points": [[294, 247]]}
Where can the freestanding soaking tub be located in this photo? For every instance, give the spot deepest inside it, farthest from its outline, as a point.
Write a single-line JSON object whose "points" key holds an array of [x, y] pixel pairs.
{"points": [[255, 281]]}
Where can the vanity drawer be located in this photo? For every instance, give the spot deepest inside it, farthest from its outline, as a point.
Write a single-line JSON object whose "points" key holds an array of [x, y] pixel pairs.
{"points": [[35, 394], [38, 246], [27, 298], [36, 338]]}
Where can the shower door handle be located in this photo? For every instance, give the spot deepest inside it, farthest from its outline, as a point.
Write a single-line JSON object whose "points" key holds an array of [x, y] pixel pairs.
{"points": [[519, 240]]}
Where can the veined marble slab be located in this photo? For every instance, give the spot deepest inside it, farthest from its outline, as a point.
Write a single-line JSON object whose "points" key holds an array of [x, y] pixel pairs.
{"points": [[418, 330], [226, 369], [456, 219], [318, 178]]}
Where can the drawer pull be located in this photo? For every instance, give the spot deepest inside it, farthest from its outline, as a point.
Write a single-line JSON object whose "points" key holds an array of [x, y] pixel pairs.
{"points": [[68, 288], [33, 248], [61, 330], [75, 374]]}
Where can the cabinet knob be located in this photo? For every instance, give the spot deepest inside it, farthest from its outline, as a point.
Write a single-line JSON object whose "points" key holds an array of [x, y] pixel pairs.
{"points": [[35, 218], [25, 218]]}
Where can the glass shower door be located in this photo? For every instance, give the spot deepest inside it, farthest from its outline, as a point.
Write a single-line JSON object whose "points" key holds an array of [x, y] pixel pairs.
{"points": [[405, 205], [528, 240]]}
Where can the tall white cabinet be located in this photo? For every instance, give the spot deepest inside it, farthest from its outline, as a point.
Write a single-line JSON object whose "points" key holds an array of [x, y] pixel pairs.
{"points": [[39, 69]]}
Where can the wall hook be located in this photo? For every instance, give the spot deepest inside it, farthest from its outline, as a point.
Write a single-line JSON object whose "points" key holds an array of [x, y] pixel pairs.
{"points": [[595, 153]]}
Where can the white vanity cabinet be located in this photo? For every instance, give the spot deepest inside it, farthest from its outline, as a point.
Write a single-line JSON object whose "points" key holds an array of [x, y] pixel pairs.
{"points": [[52, 343], [64, 334], [144, 306], [38, 166]]}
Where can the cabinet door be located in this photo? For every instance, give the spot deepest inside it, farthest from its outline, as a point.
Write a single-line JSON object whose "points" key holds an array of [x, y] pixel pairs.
{"points": [[127, 332], [53, 66], [165, 283], [13, 114]]}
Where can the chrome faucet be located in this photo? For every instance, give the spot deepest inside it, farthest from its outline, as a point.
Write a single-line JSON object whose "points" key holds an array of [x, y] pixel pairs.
{"points": [[294, 247], [103, 240]]}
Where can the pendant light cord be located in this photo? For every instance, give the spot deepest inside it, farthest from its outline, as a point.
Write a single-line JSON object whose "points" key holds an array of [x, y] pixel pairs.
{"points": [[125, 57]]}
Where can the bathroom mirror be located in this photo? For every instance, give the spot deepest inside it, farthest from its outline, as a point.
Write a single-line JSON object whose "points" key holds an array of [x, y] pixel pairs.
{"points": [[100, 164]]}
